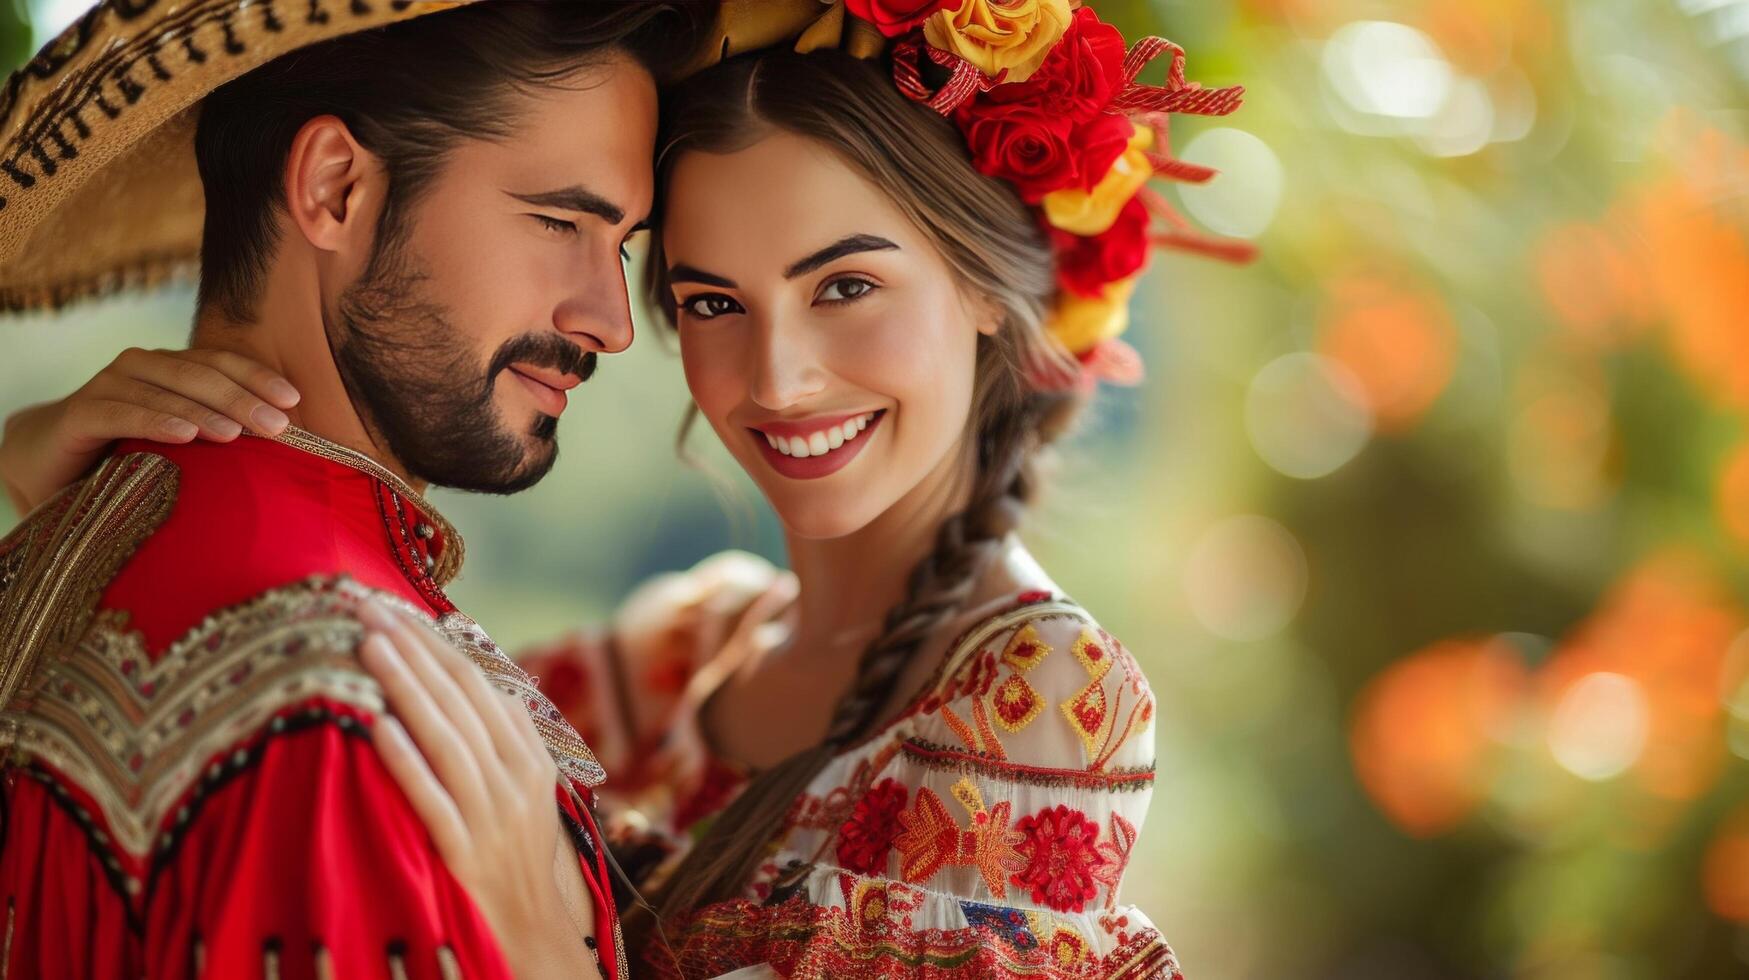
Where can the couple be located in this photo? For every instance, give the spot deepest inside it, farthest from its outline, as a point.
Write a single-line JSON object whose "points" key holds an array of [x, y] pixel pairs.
{"points": [[248, 734]]}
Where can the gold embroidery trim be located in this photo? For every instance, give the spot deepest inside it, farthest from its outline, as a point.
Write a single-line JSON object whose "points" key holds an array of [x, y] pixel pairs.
{"points": [[55, 566], [136, 735], [449, 563], [570, 753]]}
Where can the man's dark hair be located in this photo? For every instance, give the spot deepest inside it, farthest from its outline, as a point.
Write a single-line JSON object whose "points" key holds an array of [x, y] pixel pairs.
{"points": [[409, 92]]}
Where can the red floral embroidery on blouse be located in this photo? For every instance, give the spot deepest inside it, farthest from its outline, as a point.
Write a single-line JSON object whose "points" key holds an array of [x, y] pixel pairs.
{"points": [[867, 837], [1064, 862]]}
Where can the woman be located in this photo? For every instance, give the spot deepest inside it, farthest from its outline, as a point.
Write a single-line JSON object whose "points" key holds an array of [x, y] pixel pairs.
{"points": [[874, 297]]}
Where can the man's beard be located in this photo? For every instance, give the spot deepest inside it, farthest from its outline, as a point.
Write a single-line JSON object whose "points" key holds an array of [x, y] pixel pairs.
{"points": [[419, 387]]}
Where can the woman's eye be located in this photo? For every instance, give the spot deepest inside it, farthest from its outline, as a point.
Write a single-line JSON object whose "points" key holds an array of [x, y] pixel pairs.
{"points": [[708, 306], [846, 289], [555, 224]]}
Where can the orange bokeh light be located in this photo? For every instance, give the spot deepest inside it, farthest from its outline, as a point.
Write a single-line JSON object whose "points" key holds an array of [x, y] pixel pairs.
{"points": [[1724, 875], [1477, 39], [1399, 342], [1694, 237], [1422, 732], [1594, 285], [1668, 625]]}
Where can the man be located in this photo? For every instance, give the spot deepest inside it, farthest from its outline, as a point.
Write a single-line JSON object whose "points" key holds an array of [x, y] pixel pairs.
{"points": [[417, 218]]}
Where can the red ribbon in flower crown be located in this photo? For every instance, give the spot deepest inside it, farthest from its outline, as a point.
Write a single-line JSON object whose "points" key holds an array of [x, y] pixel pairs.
{"points": [[964, 80]]}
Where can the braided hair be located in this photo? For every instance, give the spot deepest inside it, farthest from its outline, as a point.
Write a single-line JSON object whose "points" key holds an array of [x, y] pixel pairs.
{"points": [[992, 243]]}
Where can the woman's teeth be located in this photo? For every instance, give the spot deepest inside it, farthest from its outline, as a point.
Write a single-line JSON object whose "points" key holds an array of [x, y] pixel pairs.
{"points": [[822, 442]]}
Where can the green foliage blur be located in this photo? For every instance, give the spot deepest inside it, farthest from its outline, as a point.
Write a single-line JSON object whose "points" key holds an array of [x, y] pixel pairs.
{"points": [[1431, 526]]}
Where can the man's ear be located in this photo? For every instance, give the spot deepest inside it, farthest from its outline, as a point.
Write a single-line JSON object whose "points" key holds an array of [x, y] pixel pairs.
{"points": [[333, 186]]}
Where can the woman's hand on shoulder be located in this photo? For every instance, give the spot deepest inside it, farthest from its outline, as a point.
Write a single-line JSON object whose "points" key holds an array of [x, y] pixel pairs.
{"points": [[480, 778], [679, 626], [165, 396]]}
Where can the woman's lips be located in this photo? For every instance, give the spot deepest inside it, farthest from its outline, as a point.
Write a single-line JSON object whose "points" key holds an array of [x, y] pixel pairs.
{"points": [[819, 436]]}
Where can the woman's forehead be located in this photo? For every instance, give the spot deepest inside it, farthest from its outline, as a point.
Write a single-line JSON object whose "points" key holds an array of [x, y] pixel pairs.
{"points": [[786, 192]]}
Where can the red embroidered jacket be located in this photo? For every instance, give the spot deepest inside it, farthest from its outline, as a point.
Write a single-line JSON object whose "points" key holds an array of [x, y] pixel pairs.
{"points": [[190, 788]]}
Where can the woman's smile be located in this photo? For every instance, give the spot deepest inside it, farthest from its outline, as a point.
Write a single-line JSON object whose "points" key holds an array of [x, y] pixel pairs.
{"points": [[812, 448]]}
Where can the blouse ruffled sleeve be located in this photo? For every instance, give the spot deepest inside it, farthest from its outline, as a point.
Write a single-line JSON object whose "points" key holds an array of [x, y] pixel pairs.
{"points": [[633, 691]]}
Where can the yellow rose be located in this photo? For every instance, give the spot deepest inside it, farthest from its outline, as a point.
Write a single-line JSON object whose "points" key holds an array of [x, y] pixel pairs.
{"points": [[993, 35], [1089, 213], [1081, 323]]}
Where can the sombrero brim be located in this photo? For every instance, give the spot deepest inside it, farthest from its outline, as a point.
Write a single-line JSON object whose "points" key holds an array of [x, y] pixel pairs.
{"points": [[98, 186]]}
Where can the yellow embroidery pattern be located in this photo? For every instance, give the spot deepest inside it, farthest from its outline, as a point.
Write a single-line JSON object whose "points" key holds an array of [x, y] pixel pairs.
{"points": [[1016, 703], [1092, 714], [1088, 713]]}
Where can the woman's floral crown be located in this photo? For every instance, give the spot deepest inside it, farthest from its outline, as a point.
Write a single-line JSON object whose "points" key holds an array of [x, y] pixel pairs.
{"points": [[1048, 99]]}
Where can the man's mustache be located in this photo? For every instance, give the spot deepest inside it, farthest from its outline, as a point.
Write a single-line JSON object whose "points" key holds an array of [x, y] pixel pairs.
{"points": [[544, 351]]}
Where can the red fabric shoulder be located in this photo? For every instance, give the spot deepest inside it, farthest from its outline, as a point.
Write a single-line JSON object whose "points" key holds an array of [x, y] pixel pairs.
{"points": [[250, 515], [306, 862], [322, 857]]}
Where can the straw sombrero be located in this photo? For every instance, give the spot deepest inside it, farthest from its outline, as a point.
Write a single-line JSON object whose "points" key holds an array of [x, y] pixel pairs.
{"points": [[98, 186]]}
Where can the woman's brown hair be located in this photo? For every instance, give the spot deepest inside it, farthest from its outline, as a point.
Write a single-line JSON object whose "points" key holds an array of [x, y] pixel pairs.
{"points": [[1000, 254]]}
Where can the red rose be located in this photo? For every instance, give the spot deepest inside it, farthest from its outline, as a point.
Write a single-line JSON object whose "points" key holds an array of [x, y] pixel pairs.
{"points": [[896, 17], [1027, 149], [1080, 76], [1087, 265], [1038, 152]]}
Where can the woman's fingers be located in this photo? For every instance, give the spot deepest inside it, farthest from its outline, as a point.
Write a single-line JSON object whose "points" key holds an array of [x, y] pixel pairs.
{"points": [[766, 607], [539, 766], [91, 423], [749, 634], [497, 713], [431, 802], [447, 748], [195, 375], [213, 425], [252, 375], [425, 653]]}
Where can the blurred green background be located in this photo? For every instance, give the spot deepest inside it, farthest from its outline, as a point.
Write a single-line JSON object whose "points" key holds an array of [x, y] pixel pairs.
{"points": [[1431, 527]]}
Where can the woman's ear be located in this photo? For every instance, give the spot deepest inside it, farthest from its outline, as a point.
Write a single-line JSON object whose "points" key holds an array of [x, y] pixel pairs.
{"points": [[987, 314]]}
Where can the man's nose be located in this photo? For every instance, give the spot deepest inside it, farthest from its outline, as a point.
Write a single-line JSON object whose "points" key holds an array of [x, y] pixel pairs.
{"points": [[598, 314]]}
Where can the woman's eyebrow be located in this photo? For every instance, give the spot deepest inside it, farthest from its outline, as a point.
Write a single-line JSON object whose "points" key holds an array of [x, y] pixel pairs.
{"points": [[687, 273], [848, 245]]}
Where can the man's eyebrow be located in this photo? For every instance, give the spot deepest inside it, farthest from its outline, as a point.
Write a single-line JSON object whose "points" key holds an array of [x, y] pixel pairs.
{"points": [[848, 245], [686, 273], [575, 198]]}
